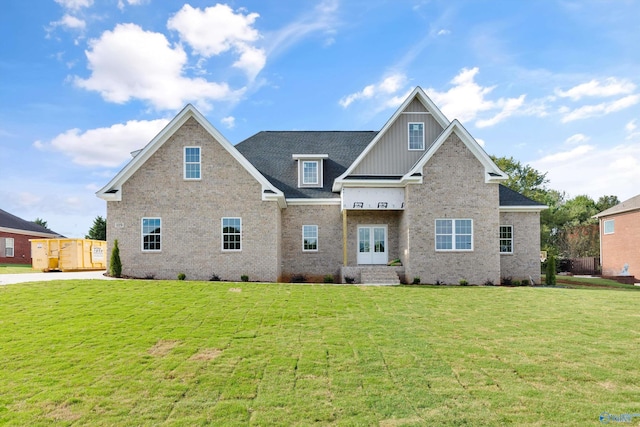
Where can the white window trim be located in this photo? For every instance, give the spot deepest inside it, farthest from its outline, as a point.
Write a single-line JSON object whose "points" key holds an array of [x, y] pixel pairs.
{"points": [[409, 136], [184, 163], [142, 235], [453, 235], [511, 239], [317, 180], [613, 226], [222, 234], [316, 236], [9, 246]]}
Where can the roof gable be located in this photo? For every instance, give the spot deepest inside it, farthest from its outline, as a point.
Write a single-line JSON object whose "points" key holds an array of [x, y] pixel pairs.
{"points": [[113, 190], [492, 171], [416, 95]]}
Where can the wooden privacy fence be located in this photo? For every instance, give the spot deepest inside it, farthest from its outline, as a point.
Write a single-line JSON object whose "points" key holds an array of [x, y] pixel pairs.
{"points": [[587, 265]]}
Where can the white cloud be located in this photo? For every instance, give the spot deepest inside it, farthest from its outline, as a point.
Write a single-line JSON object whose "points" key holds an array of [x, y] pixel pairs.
{"points": [[218, 29], [107, 147], [443, 32], [229, 122], [131, 3], [74, 4], [130, 63], [321, 19], [595, 171], [630, 128], [466, 99], [609, 87], [603, 108], [70, 22], [388, 86], [577, 139]]}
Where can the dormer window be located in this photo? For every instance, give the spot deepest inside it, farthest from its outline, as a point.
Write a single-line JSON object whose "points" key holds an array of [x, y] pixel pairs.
{"points": [[310, 172], [310, 167], [416, 136]]}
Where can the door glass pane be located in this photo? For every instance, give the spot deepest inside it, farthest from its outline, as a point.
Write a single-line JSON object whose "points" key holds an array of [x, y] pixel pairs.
{"points": [[379, 239], [363, 237]]}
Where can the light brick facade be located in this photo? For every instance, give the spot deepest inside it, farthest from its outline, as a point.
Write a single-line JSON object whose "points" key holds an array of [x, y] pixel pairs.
{"points": [[453, 179]]}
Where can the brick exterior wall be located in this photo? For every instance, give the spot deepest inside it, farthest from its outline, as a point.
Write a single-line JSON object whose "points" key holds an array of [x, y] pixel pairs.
{"points": [[389, 218], [191, 213], [524, 262], [621, 247], [454, 187], [313, 265], [22, 248]]}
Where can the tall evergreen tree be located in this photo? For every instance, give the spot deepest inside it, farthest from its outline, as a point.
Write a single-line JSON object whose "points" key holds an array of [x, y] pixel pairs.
{"points": [[99, 229]]}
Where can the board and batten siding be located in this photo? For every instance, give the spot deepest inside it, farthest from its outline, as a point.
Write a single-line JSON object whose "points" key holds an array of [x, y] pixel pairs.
{"points": [[391, 154]]}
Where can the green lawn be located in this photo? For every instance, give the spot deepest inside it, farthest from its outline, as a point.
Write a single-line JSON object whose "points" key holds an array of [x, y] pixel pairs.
{"points": [[192, 353], [16, 268]]}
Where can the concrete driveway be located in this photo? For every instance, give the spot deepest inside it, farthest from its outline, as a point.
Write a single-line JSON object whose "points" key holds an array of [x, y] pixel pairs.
{"points": [[8, 279]]}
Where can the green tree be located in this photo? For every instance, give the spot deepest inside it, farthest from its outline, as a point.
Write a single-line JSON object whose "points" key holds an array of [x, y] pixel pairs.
{"points": [[99, 229], [41, 222], [606, 202], [550, 276], [523, 178], [115, 265]]}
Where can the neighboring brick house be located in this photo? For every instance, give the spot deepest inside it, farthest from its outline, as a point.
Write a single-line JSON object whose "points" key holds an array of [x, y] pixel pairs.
{"points": [[15, 233], [619, 238], [283, 205]]}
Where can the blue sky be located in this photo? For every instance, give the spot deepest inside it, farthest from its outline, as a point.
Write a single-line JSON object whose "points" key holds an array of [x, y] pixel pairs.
{"points": [[553, 83]]}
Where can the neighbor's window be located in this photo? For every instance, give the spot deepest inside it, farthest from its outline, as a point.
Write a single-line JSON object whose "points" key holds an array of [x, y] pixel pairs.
{"points": [[416, 136], [151, 234], [454, 234], [231, 234], [191, 162], [309, 237], [506, 239], [310, 172], [8, 247], [609, 226]]}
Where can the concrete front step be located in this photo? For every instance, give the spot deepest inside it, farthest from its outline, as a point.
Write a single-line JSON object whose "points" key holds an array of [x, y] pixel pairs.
{"points": [[379, 276]]}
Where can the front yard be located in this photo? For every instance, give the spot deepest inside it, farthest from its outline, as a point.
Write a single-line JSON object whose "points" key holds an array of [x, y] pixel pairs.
{"points": [[189, 353]]}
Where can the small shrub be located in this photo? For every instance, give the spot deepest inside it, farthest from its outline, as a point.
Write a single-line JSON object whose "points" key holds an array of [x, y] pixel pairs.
{"points": [[244, 278], [349, 279], [507, 281], [115, 265], [416, 280], [516, 283], [182, 276], [439, 283], [214, 278], [328, 278], [464, 282], [149, 276], [525, 282], [488, 282], [298, 278], [550, 276]]}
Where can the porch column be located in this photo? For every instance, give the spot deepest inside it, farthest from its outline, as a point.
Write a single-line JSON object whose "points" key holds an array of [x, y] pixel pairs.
{"points": [[344, 237]]}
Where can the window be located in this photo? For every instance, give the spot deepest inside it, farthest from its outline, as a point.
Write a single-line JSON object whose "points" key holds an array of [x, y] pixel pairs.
{"points": [[454, 235], [8, 247], [231, 234], [192, 163], [416, 136], [609, 226], [151, 234], [309, 238], [506, 239], [310, 172]]}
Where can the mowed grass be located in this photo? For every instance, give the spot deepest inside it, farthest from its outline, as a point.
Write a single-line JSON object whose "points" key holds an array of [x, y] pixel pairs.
{"points": [[192, 353], [16, 268]]}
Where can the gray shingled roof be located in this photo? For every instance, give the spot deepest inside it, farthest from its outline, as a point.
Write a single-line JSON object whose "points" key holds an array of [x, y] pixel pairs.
{"points": [[626, 206], [271, 153], [8, 220], [509, 197]]}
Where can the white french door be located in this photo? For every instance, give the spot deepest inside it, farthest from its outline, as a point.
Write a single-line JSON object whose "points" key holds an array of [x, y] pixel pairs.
{"points": [[372, 244]]}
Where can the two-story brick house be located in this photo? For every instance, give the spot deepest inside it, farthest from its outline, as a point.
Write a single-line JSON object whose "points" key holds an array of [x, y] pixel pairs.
{"points": [[289, 204]]}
